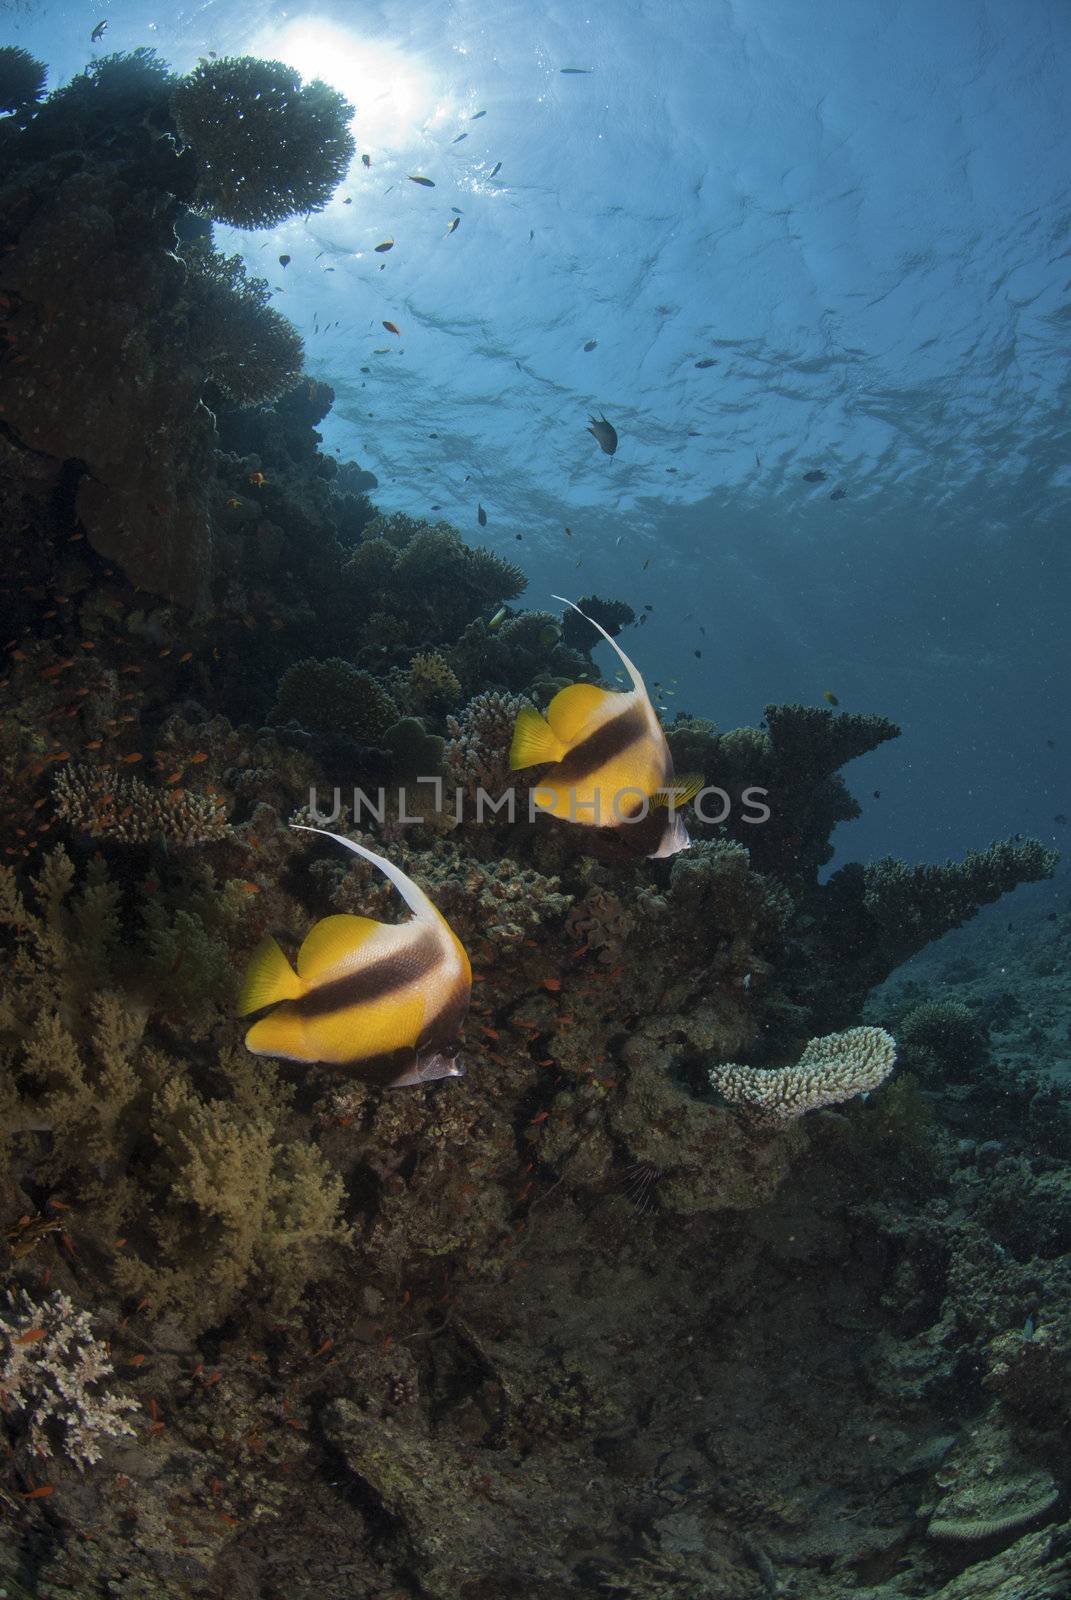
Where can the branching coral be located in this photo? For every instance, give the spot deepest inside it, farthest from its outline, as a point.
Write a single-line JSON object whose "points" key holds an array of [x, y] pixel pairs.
{"points": [[477, 751], [22, 78], [266, 146], [102, 802], [51, 1372], [832, 1069], [334, 699]]}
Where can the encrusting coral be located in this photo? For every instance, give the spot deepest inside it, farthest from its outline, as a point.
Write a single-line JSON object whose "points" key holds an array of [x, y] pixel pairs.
{"points": [[266, 145], [105, 804], [830, 1070], [52, 1372]]}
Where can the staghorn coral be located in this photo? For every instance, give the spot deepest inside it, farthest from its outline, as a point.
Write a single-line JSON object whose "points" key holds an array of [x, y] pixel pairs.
{"points": [[22, 78], [334, 699], [266, 146], [830, 1071], [52, 1369], [430, 683], [477, 751], [104, 803]]}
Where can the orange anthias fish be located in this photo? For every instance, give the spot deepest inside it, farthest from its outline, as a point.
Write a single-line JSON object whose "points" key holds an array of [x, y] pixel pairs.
{"points": [[393, 997], [612, 766]]}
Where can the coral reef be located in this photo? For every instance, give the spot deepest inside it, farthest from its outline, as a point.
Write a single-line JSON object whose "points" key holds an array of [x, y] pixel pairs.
{"points": [[52, 1372], [477, 751], [103, 803], [830, 1070], [266, 145], [334, 699], [22, 78]]}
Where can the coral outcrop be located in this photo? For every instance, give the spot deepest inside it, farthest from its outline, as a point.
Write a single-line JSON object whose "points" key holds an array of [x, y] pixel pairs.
{"points": [[830, 1071]]}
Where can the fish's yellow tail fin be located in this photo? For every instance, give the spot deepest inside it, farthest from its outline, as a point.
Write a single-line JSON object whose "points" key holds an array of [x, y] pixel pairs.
{"points": [[269, 977], [534, 741], [680, 791], [282, 1033]]}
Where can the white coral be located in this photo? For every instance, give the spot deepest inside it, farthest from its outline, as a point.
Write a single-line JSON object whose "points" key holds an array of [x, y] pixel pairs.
{"points": [[831, 1069], [49, 1358]]}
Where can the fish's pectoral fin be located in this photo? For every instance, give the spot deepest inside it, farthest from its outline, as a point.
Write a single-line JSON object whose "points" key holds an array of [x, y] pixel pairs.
{"points": [[680, 791], [282, 1033], [329, 944], [534, 741], [573, 707], [269, 977]]}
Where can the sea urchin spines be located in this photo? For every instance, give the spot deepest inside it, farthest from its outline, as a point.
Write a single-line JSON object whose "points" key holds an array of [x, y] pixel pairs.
{"points": [[267, 147]]}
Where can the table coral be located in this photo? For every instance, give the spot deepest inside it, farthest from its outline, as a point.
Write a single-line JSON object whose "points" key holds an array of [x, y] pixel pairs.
{"points": [[266, 145]]}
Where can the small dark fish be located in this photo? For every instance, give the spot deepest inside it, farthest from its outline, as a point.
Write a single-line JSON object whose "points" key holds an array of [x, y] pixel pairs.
{"points": [[1061, 819], [531, 235], [436, 508], [387, 244], [453, 227], [568, 533], [98, 32], [816, 475], [518, 537], [708, 361], [457, 211], [591, 344], [1051, 743], [477, 115], [830, 698], [284, 261], [425, 183], [643, 618], [604, 434], [459, 138], [698, 654], [481, 516], [366, 161], [877, 794], [497, 168], [575, 72], [347, 202], [646, 564], [839, 494]]}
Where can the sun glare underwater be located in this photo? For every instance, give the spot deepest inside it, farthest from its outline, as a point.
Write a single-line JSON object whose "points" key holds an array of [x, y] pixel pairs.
{"points": [[534, 1011]]}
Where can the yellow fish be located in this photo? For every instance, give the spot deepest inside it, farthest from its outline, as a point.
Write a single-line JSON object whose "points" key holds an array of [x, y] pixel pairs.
{"points": [[612, 765], [365, 991]]}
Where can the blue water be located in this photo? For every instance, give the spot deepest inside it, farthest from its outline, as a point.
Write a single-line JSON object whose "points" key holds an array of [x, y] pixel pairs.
{"points": [[859, 213]]}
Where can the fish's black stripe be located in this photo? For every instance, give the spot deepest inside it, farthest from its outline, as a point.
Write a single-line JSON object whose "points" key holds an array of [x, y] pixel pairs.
{"points": [[605, 744], [414, 960], [445, 1026]]}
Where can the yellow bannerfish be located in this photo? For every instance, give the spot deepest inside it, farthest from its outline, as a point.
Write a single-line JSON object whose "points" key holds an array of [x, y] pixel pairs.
{"points": [[612, 765], [365, 991]]}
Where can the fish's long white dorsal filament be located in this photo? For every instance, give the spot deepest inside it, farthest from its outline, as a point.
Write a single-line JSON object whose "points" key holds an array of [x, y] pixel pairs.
{"points": [[633, 672], [415, 898]]}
